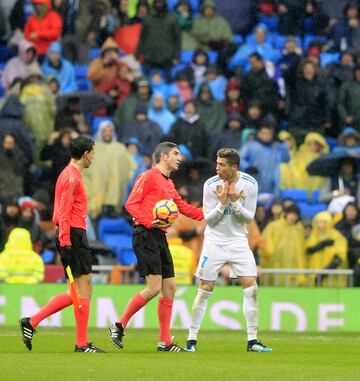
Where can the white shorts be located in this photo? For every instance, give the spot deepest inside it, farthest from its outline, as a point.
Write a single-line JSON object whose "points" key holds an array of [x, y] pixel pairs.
{"points": [[236, 254]]}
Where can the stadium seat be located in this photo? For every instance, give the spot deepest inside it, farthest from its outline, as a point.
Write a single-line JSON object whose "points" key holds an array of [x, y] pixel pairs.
{"points": [[80, 71], [5, 53], [238, 39], [315, 196], [326, 58], [96, 123], [186, 56], [310, 38], [84, 84], [298, 195], [271, 22], [310, 210], [94, 53], [176, 69], [212, 56]]}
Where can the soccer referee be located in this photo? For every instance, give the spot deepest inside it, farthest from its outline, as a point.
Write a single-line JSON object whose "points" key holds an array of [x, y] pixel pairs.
{"points": [[150, 244], [70, 211]]}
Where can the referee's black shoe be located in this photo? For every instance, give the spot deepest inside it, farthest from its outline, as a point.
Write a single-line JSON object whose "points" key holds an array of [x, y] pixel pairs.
{"points": [[89, 348], [162, 347], [116, 333], [27, 332]]}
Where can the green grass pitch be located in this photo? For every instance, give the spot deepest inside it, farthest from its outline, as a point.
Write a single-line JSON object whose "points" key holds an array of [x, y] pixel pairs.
{"points": [[221, 356]]}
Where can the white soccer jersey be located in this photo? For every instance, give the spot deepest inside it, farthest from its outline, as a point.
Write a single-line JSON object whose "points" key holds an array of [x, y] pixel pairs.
{"points": [[227, 223]]}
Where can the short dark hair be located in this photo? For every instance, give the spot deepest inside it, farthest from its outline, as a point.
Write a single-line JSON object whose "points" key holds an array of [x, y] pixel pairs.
{"points": [[164, 147], [257, 56], [81, 145], [231, 155]]}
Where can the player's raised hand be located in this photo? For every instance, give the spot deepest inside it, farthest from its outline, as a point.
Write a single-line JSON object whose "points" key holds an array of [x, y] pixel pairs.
{"points": [[222, 193], [233, 195], [157, 224]]}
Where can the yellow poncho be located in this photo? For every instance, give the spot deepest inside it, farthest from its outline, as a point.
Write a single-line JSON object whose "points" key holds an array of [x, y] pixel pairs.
{"points": [[283, 247], [18, 262], [293, 175], [322, 258], [107, 179]]}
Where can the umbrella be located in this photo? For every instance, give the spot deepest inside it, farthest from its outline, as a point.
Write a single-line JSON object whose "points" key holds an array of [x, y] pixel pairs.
{"points": [[89, 101], [329, 164]]}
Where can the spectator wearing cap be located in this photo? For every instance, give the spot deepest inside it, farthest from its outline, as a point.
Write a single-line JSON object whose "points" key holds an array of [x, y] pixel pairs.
{"points": [[190, 131], [106, 66], [147, 132], [126, 112], [211, 31], [349, 138], [43, 27], [160, 38], [159, 113], [55, 64], [216, 81], [211, 111], [231, 134], [256, 44], [256, 85], [233, 102], [28, 221], [19, 263], [349, 101], [279, 251], [309, 105], [17, 66], [262, 157], [107, 179]]}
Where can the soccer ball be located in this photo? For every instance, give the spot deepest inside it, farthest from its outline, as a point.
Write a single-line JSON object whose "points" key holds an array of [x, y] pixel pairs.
{"points": [[166, 211]]}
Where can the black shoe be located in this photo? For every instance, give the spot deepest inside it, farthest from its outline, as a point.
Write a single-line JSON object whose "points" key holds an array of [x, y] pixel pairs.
{"points": [[257, 346], [89, 348], [162, 347], [27, 332], [190, 346], [116, 333]]}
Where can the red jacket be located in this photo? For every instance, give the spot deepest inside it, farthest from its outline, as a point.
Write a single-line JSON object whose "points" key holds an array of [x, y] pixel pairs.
{"points": [[47, 29], [151, 187], [70, 206]]}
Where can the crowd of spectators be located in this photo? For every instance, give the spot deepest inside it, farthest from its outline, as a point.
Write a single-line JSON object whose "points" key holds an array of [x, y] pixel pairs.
{"points": [[278, 80]]}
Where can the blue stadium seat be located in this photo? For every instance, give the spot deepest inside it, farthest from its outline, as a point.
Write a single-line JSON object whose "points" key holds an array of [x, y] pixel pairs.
{"points": [[95, 126], [186, 56], [315, 196], [5, 53], [298, 195], [310, 38], [310, 210], [81, 71], [94, 53], [84, 84], [177, 68], [117, 234], [326, 58], [212, 56], [272, 22], [238, 39]]}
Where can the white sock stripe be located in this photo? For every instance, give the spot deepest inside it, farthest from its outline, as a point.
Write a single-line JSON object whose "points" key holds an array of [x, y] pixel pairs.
{"points": [[28, 335], [27, 329]]}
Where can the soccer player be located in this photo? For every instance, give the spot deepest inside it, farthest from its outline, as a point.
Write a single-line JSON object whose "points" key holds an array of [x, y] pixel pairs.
{"points": [[70, 210], [150, 244], [229, 202]]}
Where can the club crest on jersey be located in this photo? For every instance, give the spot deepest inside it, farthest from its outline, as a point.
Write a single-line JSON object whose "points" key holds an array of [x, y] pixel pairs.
{"points": [[242, 195]]}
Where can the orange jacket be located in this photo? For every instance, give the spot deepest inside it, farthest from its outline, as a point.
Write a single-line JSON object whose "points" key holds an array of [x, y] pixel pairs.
{"points": [[47, 29]]}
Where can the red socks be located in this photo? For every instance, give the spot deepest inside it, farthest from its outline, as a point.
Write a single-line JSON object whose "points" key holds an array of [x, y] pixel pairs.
{"points": [[164, 314], [136, 303], [56, 304], [82, 318]]}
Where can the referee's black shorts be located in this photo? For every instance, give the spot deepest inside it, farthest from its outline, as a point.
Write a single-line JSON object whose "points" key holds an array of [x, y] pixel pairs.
{"points": [[152, 252], [81, 258]]}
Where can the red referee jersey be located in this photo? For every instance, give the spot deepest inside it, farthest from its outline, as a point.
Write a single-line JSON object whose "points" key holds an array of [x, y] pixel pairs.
{"points": [[70, 206], [151, 187]]}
